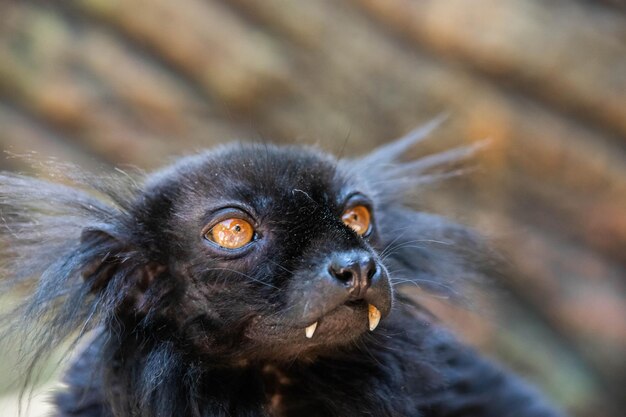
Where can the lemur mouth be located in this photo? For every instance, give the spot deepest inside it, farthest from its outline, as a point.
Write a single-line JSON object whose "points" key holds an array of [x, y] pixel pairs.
{"points": [[373, 316]]}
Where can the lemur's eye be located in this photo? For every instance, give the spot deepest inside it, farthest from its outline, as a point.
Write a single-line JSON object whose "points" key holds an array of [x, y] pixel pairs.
{"points": [[231, 233], [358, 219]]}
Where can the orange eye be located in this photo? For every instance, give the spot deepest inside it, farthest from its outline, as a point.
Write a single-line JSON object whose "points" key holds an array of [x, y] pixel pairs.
{"points": [[231, 233], [358, 219]]}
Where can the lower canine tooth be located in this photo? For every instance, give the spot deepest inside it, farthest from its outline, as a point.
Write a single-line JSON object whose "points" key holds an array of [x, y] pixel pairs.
{"points": [[310, 330], [373, 316]]}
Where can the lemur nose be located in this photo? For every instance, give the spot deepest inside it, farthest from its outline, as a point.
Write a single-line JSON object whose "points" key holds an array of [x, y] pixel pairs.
{"points": [[355, 269]]}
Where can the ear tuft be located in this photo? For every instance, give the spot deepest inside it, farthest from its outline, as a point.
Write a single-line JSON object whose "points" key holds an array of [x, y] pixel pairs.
{"points": [[391, 152], [391, 181], [66, 245]]}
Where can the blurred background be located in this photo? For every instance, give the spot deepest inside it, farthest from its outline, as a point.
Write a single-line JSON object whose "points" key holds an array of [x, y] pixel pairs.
{"points": [[137, 82]]}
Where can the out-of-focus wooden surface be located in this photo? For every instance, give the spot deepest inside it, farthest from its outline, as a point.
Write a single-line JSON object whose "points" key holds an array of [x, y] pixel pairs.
{"points": [[104, 82]]}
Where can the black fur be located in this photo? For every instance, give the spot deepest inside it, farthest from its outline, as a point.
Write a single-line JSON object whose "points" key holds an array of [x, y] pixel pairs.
{"points": [[174, 326]]}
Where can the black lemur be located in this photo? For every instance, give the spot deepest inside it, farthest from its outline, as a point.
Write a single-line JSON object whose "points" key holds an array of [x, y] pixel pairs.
{"points": [[251, 280]]}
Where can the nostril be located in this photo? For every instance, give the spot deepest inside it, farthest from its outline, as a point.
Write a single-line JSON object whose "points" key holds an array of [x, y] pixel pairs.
{"points": [[342, 274], [371, 270]]}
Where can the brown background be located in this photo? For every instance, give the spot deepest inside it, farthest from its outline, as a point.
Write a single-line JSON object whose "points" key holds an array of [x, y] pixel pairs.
{"points": [[136, 82]]}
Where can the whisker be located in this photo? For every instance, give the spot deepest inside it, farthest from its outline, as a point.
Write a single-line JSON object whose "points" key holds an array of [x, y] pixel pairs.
{"points": [[245, 275], [280, 266]]}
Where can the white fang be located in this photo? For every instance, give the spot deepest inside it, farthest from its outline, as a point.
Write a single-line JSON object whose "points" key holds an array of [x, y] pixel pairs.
{"points": [[373, 317], [310, 330]]}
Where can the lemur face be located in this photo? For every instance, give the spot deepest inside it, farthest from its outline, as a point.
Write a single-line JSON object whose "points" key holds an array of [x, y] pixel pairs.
{"points": [[276, 250]]}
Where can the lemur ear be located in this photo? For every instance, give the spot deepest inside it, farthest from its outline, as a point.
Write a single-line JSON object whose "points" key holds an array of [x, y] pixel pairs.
{"points": [[108, 254], [77, 245], [115, 265], [77, 249]]}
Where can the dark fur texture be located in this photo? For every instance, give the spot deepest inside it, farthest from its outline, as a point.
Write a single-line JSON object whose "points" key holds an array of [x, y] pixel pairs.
{"points": [[175, 326]]}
